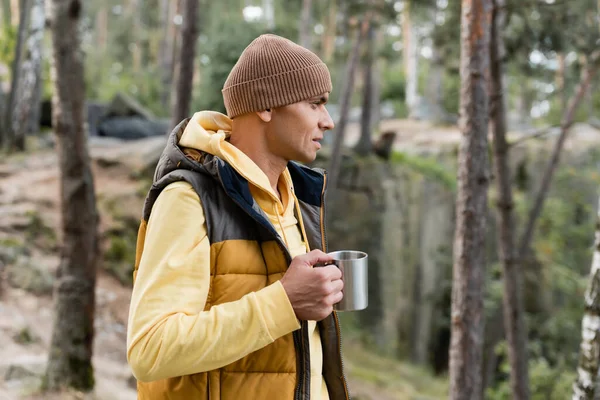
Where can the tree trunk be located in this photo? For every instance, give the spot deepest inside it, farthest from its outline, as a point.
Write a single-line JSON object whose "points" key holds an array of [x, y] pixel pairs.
{"points": [[466, 347], [328, 39], [134, 12], [305, 24], [175, 58], [165, 53], [584, 387], [410, 54], [567, 121], [514, 321], [434, 85], [336, 155], [6, 12], [102, 29], [15, 11], [28, 103], [364, 145], [189, 34], [561, 74], [269, 13], [70, 358], [9, 117]]}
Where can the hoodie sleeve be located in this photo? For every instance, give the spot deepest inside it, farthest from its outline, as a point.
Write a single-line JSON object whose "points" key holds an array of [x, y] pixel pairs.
{"points": [[169, 334]]}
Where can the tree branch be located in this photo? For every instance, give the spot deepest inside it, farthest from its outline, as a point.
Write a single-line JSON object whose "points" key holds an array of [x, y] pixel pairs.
{"points": [[566, 123], [536, 134]]}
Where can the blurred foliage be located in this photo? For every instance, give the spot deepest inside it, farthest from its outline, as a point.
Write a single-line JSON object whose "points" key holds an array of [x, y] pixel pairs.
{"points": [[220, 53], [8, 40], [429, 167]]}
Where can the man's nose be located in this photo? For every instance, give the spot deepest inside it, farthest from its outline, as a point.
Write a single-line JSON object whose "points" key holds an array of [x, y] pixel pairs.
{"points": [[326, 122]]}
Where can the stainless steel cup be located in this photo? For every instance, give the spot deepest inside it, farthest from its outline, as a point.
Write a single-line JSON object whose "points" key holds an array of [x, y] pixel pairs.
{"points": [[353, 265]]}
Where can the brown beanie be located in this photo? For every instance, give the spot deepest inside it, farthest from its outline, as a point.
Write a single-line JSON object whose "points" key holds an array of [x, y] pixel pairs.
{"points": [[273, 72]]}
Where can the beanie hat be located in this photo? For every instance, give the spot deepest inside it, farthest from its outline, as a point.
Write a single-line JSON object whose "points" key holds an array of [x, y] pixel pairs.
{"points": [[273, 72]]}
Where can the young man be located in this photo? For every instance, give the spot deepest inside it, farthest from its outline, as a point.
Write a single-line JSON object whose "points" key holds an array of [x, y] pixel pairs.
{"points": [[226, 303]]}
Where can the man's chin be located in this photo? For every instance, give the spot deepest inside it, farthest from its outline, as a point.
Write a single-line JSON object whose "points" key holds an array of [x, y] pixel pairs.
{"points": [[306, 158]]}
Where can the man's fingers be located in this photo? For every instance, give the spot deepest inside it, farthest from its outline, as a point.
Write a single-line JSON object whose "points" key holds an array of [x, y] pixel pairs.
{"points": [[332, 272], [317, 256]]}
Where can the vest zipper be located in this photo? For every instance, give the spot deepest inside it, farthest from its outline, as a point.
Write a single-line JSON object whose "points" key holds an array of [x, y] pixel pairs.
{"points": [[297, 335], [337, 321], [207, 386], [299, 341]]}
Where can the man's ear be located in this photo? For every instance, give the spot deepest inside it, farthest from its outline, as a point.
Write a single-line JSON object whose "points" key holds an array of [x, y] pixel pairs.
{"points": [[265, 115]]}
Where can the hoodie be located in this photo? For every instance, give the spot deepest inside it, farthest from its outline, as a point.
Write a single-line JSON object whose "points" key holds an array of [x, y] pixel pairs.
{"points": [[169, 333]]}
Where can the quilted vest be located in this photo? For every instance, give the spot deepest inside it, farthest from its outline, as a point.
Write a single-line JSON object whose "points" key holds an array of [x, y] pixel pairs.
{"points": [[246, 255]]}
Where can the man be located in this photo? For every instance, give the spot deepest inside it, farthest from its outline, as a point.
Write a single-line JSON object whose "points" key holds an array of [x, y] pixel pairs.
{"points": [[226, 303]]}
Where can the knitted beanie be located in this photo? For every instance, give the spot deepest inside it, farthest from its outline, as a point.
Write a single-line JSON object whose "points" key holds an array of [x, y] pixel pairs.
{"points": [[273, 72]]}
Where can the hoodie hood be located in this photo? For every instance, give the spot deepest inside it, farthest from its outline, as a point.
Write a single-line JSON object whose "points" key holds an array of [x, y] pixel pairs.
{"points": [[196, 142]]}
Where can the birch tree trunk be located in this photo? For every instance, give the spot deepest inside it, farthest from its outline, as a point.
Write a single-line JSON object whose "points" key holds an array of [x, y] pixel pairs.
{"points": [[10, 116], [189, 35], [27, 106], [467, 317], [514, 321], [70, 358], [305, 24], [584, 387]]}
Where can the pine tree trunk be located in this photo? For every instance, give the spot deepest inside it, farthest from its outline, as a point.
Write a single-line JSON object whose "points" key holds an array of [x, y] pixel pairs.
{"points": [[364, 145], [165, 53], [584, 387], [175, 58], [467, 323], [26, 112], [328, 39], [514, 321], [565, 125], [10, 127], [336, 155], [561, 74], [102, 29], [189, 34], [70, 358], [305, 24]]}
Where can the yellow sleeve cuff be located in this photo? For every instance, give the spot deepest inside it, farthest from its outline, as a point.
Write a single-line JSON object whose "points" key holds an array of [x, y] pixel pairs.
{"points": [[276, 310]]}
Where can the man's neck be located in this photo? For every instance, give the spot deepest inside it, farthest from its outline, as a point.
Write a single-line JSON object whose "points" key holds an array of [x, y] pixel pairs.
{"points": [[272, 166]]}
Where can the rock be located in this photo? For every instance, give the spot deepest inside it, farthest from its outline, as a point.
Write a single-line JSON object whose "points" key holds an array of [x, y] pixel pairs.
{"points": [[131, 128], [24, 367], [32, 275]]}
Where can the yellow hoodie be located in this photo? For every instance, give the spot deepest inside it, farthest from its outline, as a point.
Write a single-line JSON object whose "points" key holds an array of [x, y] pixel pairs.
{"points": [[169, 334]]}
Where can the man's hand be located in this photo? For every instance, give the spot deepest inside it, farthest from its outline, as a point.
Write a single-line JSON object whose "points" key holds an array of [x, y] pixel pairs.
{"points": [[313, 291]]}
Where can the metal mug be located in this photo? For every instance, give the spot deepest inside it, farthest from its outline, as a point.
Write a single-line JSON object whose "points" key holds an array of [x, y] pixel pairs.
{"points": [[353, 265]]}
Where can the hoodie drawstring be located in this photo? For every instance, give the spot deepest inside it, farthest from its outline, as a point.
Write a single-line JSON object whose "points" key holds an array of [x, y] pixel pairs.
{"points": [[276, 212], [302, 230], [301, 223]]}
